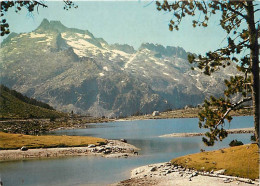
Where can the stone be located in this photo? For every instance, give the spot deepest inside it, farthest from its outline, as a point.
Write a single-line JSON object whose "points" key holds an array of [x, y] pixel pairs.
{"points": [[91, 146], [93, 150], [195, 173], [123, 140], [227, 180], [24, 148], [219, 172], [153, 169], [107, 151], [101, 150]]}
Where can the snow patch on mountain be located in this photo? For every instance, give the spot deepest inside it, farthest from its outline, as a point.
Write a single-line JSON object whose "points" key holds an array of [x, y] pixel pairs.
{"points": [[37, 35]]}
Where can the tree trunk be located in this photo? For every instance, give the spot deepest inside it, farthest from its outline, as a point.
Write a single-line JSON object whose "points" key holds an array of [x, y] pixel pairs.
{"points": [[254, 63]]}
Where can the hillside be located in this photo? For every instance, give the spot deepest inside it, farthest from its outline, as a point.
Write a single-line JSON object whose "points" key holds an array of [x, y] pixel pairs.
{"points": [[241, 161], [71, 69], [16, 105]]}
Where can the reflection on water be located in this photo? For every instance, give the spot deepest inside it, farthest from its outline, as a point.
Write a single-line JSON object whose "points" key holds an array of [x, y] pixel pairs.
{"points": [[98, 171]]}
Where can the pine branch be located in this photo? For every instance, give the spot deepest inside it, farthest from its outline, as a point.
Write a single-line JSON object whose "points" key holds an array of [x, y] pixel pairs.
{"points": [[42, 4], [234, 11], [231, 108]]}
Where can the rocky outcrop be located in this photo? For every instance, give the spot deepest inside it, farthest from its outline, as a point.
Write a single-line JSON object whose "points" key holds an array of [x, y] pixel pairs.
{"points": [[167, 174]]}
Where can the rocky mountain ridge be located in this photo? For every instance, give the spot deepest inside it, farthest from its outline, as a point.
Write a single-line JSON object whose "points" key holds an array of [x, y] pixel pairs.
{"points": [[70, 69]]}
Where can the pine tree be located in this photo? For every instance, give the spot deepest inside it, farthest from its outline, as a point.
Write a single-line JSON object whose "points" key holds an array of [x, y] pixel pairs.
{"points": [[241, 37]]}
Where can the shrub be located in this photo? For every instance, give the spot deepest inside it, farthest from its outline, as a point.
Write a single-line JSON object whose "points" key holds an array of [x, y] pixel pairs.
{"points": [[235, 143], [52, 118], [252, 138]]}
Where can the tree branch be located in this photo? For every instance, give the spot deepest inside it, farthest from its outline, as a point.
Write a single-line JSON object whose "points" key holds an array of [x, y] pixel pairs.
{"points": [[232, 10], [231, 108], [42, 4]]}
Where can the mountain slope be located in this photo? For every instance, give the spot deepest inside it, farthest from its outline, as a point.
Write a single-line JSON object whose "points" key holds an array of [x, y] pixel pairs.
{"points": [[15, 105], [72, 70]]}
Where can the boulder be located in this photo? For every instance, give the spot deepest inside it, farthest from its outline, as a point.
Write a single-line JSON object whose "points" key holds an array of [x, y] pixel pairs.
{"points": [[153, 169], [195, 173], [123, 140], [227, 180], [107, 151], [100, 150], [91, 146], [24, 148], [219, 172]]}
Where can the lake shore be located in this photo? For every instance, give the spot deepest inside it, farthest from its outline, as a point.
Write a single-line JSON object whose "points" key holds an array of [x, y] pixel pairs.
{"points": [[162, 174], [113, 149], [38, 126], [229, 131], [180, 113]]}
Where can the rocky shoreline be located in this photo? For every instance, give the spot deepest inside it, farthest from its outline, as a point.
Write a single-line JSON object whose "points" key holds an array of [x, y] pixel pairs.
{"points": [[113, 149], [162, 174], [229, 131]]}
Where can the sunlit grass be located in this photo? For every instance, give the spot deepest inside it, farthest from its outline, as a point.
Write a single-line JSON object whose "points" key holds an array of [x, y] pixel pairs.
{"points": [[16, 141], [241, 161]]}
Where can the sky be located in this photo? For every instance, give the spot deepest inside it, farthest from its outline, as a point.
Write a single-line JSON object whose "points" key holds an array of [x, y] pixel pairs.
{"points": [[128, 22]]}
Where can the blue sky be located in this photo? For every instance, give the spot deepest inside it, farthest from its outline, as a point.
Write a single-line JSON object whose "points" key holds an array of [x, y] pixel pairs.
{"points": [[126, 22]]}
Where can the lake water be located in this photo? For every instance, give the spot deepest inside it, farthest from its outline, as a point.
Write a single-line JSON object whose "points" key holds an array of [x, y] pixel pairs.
{"points": [[91, 170]]}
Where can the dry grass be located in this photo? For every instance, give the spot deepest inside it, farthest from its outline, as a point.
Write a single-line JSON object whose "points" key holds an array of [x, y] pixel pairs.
{"points": [[241, 161], [16, 141]]}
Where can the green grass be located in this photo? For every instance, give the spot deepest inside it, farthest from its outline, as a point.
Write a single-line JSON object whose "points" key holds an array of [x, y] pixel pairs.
{"points": [[12, 107], [16, 141], [241, 161]]}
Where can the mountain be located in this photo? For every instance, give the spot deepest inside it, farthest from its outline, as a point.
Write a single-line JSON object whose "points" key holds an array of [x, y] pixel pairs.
{"points": [[15, 105], [70, 69]]}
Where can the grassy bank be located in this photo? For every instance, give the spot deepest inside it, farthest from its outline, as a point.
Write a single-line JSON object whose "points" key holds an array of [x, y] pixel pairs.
{"points": [[241, 161], [16, 141]]}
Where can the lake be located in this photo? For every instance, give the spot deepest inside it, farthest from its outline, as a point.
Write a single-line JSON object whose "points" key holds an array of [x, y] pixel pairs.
{"points": [[92, 170]]}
